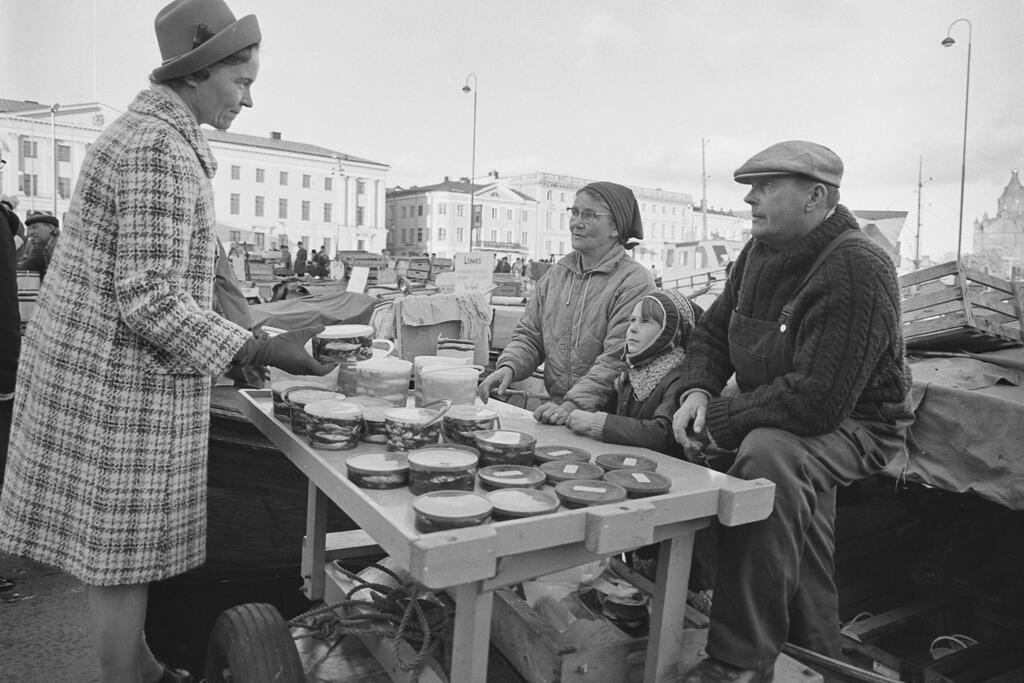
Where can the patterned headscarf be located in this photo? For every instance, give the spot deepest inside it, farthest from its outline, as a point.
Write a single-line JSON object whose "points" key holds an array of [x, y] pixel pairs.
{"points": [[622, 203], [679, 319]]}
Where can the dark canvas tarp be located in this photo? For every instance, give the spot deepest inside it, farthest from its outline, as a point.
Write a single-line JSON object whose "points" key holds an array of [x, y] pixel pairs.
{"points": [[328, 307]]}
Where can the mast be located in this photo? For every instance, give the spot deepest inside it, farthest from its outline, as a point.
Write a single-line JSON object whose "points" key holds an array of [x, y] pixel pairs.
{"points": [[704, 191], [917, 234]]}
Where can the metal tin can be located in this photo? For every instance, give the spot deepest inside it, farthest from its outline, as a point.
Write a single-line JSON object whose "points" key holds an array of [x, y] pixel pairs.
{"points": [[333, 425], [442, 468], [445, 510], [378, 470], [505, 447]]}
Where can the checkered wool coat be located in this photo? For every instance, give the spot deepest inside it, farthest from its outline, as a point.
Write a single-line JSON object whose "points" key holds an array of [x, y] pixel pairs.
{"points": [[106, 476]]}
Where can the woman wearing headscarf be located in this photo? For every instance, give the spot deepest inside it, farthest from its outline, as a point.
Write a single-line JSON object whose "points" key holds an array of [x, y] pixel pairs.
{"points": [[575, 322], [106, 477]]}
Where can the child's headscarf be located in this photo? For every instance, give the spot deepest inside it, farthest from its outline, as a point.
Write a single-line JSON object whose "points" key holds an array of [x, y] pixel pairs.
{"points": [[679, 319]]}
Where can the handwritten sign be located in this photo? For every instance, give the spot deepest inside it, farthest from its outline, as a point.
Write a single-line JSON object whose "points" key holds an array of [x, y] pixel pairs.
{"points": [[474, 271], [357, 279]]}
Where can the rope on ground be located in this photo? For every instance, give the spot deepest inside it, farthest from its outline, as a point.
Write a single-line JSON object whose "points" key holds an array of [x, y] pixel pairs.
{"points": [[393, 612]]}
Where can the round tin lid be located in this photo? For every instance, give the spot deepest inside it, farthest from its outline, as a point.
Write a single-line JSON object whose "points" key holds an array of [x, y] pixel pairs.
{"points": [[334, 408], [522, 502], [452, 505], [377, 463], [346, 332], [511, 476], [301, 396], [590, 492], [555, 453], [470, 413], [639, 482], [497, 438], [626, 461], [442, 458], [410, 415], [283, 385], [564, 470]]}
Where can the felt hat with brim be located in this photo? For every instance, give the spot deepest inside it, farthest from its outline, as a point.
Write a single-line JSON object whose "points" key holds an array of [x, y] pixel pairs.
{"points": [[43, 218], [184, 28], [793, 157]]}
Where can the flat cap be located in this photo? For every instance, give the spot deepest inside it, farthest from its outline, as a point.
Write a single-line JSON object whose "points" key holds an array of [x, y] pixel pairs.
{"points": [[793, 157], [42, 218]]}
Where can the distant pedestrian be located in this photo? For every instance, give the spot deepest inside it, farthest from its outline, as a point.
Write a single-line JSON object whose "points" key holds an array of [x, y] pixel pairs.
{"points": [[323, 262], [313, 265], [43, 230], [286, 260], [300, 260]]}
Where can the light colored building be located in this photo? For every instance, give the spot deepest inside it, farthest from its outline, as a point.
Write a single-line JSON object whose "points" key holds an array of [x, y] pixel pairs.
{"points": [[721, 224], [434, 219], [999, 240], [665, 215], [267, 191]]}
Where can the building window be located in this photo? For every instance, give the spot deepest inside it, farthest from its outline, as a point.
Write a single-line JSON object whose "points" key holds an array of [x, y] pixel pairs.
{"points": [[282, 208], [561, 221], [328, 183], [360, 212], [419, 234], [305, 210], [547, 246], [419, 209], [235, 235], [307, 180], [236, 172], [63, 152], [561, 247], [360, 186], [494, 213], [236, 200], [260, 240], [526, 216], [458, 235], [494, 235], [258, 209], [29, 184], [284, 177], [403, 211], [549, 194], [404, 236], [64, 187], [428, 234], [441, 234], [261, 175], [508, 236], [327, 212], [522, 238], [508, 215], [460, 209], [442, 209], [29, 148]]}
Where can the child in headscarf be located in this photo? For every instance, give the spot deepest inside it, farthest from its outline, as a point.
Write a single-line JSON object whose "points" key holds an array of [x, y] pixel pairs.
{"points": [[648, 390]]}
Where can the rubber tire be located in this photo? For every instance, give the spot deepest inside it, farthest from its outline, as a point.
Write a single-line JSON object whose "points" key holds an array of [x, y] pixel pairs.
{"points": [[252, 643]]}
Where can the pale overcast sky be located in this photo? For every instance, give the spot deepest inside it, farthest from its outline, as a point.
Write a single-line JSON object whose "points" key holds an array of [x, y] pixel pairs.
{"points": [[620, 90]]}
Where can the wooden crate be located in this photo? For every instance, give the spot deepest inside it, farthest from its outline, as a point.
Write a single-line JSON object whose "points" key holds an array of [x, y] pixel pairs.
{"points": [[592, 649], [976, 312]]}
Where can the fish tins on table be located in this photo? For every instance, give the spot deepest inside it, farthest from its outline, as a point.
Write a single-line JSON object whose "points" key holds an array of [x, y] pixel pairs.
{"points": [[333, 425], [510, 476], [625, 461], [639, 483], [282, 410], [442, 468], [565, 470], [578, 493], [461, 423], [445, 510], [373, 417], [378, 470], [505, 447], [517, 503], [298, 397], [555, 453], [410, 428]]}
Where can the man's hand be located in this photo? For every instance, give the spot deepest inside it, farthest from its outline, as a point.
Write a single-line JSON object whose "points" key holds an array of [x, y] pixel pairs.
{"points": [[497, 382], [551, 413], [688, 424]]}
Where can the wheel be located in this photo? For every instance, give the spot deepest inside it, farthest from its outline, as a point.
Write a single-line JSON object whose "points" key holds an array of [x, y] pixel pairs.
{"points": [[251, 643]]}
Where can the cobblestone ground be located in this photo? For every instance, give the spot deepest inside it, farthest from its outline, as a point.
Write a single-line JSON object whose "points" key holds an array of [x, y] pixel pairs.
{"points": [[44, 626]]}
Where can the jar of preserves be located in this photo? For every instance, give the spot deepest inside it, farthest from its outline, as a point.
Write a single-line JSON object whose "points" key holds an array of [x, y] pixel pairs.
{"points": [[442, 468], [373, 417], [461, 423], [346, 344], [564, 470], [446, 510], [578, 493], [545, 454], [510, 476], [625, 461], [298, 397], [277, 389], [639, 483], [410, 428], [505, 447], [333, 425], [518, 503], [378, 470]]}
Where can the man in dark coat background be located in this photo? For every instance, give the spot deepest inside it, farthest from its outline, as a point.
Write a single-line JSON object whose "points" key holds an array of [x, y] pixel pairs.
{"points": [[10, 334]]}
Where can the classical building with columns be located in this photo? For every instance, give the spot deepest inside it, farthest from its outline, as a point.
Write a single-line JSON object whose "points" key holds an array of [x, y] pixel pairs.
{"points": [[999, 240], [269, 191]]}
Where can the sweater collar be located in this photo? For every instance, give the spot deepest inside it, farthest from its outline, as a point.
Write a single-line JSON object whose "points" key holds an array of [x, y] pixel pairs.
{"points": [[163, 104], [574, 261], [839, 220]]}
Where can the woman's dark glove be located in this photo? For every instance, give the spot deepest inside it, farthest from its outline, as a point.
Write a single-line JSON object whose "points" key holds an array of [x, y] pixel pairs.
{"points": [[285, 351]]}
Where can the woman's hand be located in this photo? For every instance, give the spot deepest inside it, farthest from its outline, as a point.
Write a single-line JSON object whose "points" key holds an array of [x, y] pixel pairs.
{"points": [[551, 413], [579, 421], [497, 382]]}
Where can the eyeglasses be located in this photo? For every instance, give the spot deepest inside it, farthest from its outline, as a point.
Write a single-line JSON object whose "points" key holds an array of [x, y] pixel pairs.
{"points": [[588, 215]]}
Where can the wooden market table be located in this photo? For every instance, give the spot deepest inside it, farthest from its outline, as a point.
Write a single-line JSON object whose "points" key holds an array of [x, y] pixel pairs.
{"points": [[472, 562]]}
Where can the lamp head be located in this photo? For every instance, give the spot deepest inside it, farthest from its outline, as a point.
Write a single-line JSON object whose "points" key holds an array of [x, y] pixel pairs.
{"points": [[466, 88], [948, 41]]}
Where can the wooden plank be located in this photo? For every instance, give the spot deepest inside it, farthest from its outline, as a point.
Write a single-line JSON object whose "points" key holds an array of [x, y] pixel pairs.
{"points": [[1018, 305], [926, 274], [988, 301], [314, 543], [961, 284], [868, 629], [933, 311], [920, 301], [614, 529], [668, 605], [471, 633], [990, 281], [922, 327]]}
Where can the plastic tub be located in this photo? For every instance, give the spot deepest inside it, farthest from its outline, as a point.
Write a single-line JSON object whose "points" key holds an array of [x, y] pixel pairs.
{"points": [[333, 425], [442, 468], [421, 362], [298, 397], [378, 470], [505, 447], [461, 423], [625, 461], [346, 344], [639, 483], [456, 383], [410, 428], [566, 470], [386, 378], [579, 493], [373, 417], [510, 476], [281, 409], [545, 454], [518, 503], [445, 510]]}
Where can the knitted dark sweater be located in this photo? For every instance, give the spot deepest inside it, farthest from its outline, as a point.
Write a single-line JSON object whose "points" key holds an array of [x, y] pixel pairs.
{"points": [[845, 326]]}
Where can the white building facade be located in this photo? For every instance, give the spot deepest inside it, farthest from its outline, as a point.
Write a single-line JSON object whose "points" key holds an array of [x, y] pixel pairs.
{"points": [[268, 192]]}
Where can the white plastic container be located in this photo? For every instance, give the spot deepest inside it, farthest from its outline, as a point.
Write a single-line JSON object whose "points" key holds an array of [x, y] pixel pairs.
{"points": [[385, 378], [457, 384], [419, 363]]}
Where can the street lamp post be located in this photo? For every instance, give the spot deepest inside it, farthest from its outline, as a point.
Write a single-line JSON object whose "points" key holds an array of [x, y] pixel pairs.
{"points": [[948, 42], [472, 167], [53, 147]]}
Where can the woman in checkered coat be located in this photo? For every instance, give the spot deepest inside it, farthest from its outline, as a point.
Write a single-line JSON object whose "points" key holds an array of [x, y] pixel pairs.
{"points": [[107, 469]]}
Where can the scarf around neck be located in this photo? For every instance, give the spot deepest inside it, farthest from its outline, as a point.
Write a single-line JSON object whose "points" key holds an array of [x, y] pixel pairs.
{"points": [[645, 377]]}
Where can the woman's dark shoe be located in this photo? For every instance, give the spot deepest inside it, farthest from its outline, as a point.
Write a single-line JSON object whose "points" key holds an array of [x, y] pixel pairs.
{"points": [[714, 671]]}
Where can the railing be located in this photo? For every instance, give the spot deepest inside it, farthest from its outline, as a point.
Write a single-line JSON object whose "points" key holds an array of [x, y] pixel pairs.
{"points": [[704, 279]]}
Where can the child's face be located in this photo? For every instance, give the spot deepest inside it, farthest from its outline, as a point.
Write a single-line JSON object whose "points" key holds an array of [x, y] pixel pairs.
{"points": [[641, 331]]}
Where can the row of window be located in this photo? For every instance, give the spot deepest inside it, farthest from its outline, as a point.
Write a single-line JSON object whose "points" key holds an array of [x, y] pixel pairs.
{"points": [[28, 185], [460, 210], [305, 209], [423, 234], [30, 150], [307, 179]]}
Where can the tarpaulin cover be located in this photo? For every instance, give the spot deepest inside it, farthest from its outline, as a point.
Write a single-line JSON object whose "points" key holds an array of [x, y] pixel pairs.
{"points": [[325, 307], [968, 433]]}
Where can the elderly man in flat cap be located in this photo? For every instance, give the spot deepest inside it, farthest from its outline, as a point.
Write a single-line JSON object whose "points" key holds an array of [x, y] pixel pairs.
{"points": [[106, 473], [42, 230], [809, 322]]}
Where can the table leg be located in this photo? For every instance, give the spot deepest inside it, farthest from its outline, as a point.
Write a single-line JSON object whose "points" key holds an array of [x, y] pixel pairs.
{"points": [[668, 606], [315, 543], [472, 633]]}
